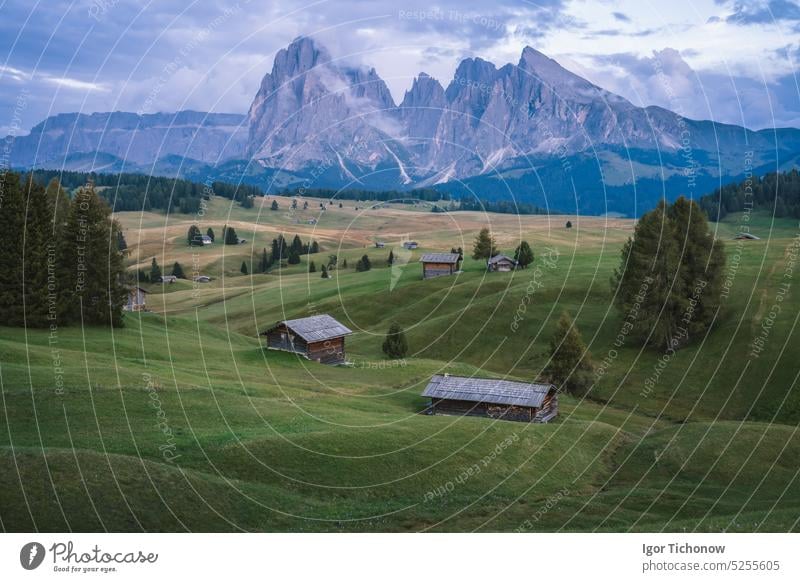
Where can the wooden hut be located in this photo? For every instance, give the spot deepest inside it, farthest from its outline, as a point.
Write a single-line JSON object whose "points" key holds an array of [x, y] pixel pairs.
{"points": [[439, 264], [137, 300], [501, 399], [319, 338], [501, 263]]}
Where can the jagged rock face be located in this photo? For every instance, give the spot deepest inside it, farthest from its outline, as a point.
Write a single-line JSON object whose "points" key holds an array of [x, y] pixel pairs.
{"points": [[311, 110], [138, 139], [315, 116]]}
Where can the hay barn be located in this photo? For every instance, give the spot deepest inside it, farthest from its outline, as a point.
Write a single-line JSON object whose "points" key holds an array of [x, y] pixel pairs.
{"points": [[501, 399], [319, 338], [439, 264]]}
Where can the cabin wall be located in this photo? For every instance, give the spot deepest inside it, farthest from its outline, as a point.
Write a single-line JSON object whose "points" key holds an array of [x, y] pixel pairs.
{"points": [[430, 270], [283, 339], [328, 351], [498, 411]]}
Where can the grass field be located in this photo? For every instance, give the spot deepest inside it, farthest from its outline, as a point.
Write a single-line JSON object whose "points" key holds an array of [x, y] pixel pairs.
{"points": [[181, 421]]}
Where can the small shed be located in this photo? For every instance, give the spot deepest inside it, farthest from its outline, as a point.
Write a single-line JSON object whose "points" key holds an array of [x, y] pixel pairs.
{"points": [[501, 263], [410, 244], [168, 278], [379, 244], [207, 240], [137, 300], [202, 279], [319, 338], [500, 399], [439, 264], [746, 236]]}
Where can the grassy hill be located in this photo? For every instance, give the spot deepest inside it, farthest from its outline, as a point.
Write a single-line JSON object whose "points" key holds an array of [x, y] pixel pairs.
{"points": [[181, 421]]}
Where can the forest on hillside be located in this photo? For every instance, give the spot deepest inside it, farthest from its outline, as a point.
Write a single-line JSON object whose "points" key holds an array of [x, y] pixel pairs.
{"points": [[778, 192], [140, 192]]}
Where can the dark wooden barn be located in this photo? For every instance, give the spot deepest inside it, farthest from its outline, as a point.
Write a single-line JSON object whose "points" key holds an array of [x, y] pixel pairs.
{"points": [[319, 338], [501, 263], [439, 264], [500, 399]]}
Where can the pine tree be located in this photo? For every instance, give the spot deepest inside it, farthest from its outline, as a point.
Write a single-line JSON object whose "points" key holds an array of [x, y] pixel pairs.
{"points": [[274, 205], [363, 264], [344, 264], [314, 248], [12, 226], [569, 224], [648, 282], [210, 233], [325, 272], [177, 270], [395, 345], [294, 258], [194, 237], [39, 257], [155, 271], [312, 268], [523, 255], [91, 269], [243, 268], [58, 199], [297, 245], [485, 246], [570, 366], [231, 238], [263, 262], [390, 260]]}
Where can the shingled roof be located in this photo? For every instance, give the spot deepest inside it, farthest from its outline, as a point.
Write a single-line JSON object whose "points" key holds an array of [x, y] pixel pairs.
{"points": [[440, 258], [487, 390], [498, 258], [316, 328]]}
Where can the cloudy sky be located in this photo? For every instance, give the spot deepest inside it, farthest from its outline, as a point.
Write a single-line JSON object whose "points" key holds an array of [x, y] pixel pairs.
{"points": [[725, 60]]}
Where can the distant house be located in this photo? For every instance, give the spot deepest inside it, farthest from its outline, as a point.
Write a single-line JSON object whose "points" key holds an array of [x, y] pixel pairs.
{"points": [[168, 278], [380, 244], [136, 299], [312, 221], [202, 279], [319, 338], [439, 264], [410, 244], [207, 240], [746, 236], [501, 399], [242, 241], [501, 263]]}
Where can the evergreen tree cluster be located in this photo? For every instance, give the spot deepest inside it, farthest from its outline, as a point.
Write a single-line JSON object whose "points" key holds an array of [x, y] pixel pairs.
{"points": [[363, 264], [61, 261], [139, 192], [499, 206], [406, 197], [281, 250], [775, 192], [570, 365], [669, 282]]}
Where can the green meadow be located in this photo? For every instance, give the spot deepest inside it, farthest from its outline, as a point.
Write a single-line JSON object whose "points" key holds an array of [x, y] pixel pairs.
{"points": [[181, 421]]}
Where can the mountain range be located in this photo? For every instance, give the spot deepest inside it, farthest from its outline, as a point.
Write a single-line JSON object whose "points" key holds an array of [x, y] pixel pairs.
{"points": [[533, 132]]}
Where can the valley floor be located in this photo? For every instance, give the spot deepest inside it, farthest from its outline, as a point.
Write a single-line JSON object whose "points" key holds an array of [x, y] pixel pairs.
{"points": [[181, 421]]}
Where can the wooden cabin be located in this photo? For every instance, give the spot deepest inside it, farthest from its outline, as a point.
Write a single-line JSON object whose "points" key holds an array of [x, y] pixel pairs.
{"points": [[501, 264], [319, 338], [439, 264], [137, 300], [746, 236], [501, 399], [410, 244], [168, 279]]}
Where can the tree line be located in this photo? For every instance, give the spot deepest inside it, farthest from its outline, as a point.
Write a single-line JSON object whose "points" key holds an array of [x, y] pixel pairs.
{"points": [[62, 258], [281, 250], [774, 192], [137, 192]]}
